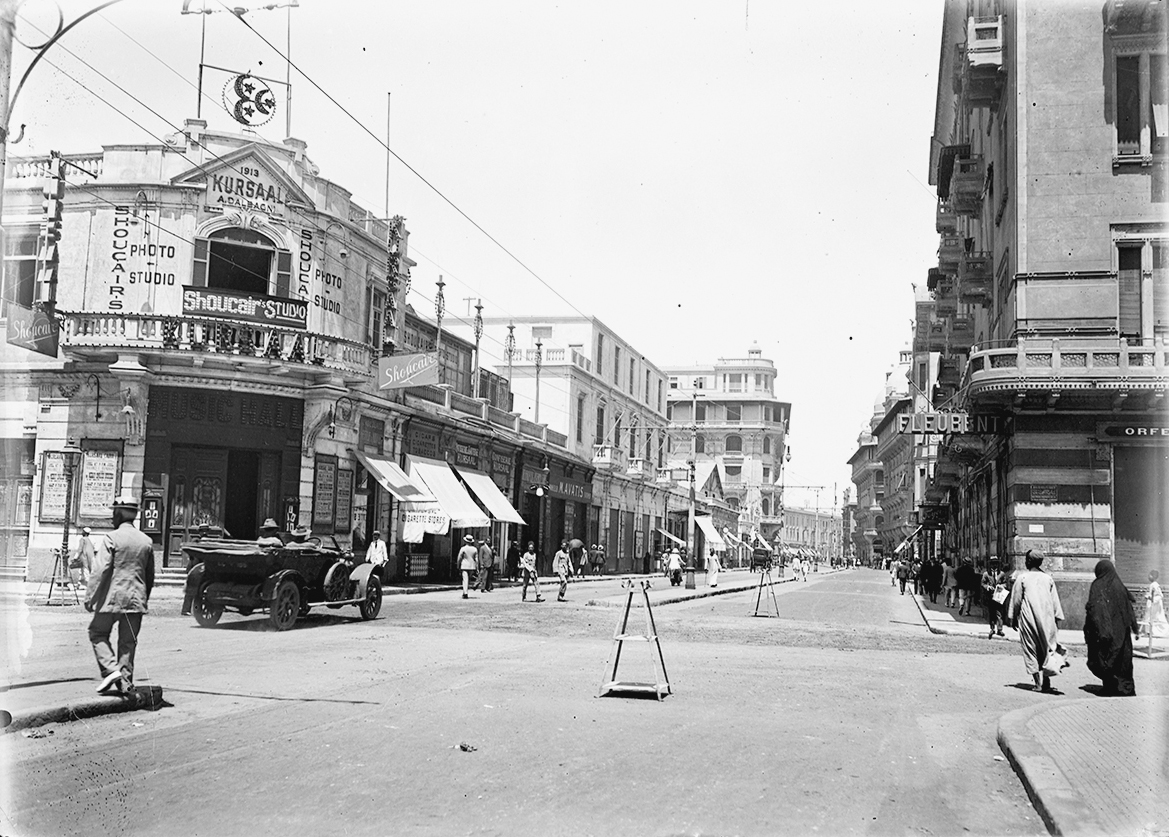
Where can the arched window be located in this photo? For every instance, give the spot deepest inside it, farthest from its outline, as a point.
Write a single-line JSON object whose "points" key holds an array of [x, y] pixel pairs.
{"points": [[734, 444], [242, 260], [700, 444], [766, 444], [766, 507], [733, 502]]}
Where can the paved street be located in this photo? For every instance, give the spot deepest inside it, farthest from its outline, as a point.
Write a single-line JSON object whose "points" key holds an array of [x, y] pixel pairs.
{"points": [[843, 716]]}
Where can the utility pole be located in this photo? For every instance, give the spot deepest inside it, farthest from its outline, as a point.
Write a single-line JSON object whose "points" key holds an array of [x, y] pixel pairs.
{"points": [[7, 28], [692, 536]]}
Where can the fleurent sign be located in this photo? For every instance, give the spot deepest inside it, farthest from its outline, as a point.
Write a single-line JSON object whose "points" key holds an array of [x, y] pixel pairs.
{"points": [[245, 307]]}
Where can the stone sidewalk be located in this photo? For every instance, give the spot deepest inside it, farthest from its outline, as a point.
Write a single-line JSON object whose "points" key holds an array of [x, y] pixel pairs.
{"points": [[1095, 766]]}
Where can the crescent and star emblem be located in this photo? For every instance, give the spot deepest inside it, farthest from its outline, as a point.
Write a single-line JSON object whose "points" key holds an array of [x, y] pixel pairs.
{"points": [[249, 100]]}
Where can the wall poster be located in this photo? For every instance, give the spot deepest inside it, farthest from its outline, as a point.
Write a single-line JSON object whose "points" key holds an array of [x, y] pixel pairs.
{"points": [[53, 485], [344, 520], [324, 491], [99, 482]]}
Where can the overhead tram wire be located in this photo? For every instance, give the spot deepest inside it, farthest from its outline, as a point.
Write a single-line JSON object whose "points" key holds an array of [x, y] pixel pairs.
{"points": [[399, 158]]}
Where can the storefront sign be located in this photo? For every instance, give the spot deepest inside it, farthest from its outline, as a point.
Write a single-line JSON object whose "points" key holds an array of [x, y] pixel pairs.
{"points": [[407, 370], [33, 329], [344, 500], [244, 307], [99, 476], [501, 470], [1044, 493], [422, 442], [939, 423], [324, 491], [151, 517], [1134, 431], [171, 406], [467, 455]]}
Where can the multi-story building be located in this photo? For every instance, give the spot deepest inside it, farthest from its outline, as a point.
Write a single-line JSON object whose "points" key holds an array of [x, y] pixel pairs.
{"points": [[728, 413], [1053, 260], [582, 380], [869, 479], [225, 310], [813, 533]]}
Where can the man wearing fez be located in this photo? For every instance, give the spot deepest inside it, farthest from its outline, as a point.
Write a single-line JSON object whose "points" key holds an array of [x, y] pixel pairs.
{"points": [[118, 592]]}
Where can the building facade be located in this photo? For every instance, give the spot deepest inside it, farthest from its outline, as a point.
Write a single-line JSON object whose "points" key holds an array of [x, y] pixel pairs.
{"points": [[1052, 266], [225, 309], [728, 414]]}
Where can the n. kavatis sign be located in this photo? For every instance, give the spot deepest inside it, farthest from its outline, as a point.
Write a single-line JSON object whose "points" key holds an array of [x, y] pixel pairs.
{"points": [[407, 371], [245, 307]]}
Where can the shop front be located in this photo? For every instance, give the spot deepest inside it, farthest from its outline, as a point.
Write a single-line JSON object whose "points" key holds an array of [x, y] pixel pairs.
{"points": [[220, 462]]}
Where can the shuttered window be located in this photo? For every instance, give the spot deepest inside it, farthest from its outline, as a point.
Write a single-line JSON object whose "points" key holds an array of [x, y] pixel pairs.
{"points": [[1129, 289], [283, 272], [1160, 287], [199, 271]]}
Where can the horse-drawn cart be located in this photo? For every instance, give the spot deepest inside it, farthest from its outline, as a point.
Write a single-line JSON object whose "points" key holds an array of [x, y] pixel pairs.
{"points": [[283, 580]]}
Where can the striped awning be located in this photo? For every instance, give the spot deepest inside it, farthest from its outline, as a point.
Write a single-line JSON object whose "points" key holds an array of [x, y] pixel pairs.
{"points": [[452, 498]]}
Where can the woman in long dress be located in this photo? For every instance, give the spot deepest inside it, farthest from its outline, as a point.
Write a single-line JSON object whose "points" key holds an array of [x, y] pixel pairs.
{"points": [[712, 568], [1155, 623], [1035, 613], [1109, 623]]}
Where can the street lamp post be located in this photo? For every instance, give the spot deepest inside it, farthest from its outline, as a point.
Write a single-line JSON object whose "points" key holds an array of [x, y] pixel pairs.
{"points": [[478, 326], [692, 535], [70, 459], [439, 310], [539, 363]]}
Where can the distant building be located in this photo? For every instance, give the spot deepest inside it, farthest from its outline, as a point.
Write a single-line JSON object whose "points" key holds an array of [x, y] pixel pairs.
{"points": [[727, 413]]}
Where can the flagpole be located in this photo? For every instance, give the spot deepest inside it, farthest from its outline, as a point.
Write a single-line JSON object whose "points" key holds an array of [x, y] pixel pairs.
{"points": [[387, 214], [288, 75], [202, 51]]}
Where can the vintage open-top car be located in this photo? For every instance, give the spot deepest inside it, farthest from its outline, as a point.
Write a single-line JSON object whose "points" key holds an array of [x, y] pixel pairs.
{"points": [[284, 580]]}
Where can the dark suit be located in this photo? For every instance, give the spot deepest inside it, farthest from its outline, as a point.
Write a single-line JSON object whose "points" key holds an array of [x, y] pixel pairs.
{"points": [[122, 600]]}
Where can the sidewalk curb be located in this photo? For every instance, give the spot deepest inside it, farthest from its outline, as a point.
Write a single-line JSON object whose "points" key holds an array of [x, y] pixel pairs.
{"points": [[141, 698], [1051, 794]]}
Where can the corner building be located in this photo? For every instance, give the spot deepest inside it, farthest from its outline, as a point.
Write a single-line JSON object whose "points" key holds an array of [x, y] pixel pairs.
{"points": [[1052, 303]]}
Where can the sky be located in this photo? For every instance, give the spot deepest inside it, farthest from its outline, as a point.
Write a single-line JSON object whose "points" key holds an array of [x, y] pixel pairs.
{"points": [[700, 176]]}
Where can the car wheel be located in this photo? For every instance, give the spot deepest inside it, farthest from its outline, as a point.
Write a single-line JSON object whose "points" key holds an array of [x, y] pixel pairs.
{"points": [[207, 615], [373, 599], [285, 605]]}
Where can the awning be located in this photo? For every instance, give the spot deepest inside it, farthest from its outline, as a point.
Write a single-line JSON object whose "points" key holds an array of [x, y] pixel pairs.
{"points": [[392, 478], [731, 539], [907, 541], [678, 541], [452, 498], [713, 538], [489, 495]]}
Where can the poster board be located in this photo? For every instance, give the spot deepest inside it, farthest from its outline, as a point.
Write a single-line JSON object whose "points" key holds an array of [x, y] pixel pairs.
{"points": [[51, 508], [99, 483], [344, 505], [324, 492]]}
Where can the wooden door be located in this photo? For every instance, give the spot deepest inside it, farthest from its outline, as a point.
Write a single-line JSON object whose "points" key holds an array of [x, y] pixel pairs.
{"points": [[197, 480]]}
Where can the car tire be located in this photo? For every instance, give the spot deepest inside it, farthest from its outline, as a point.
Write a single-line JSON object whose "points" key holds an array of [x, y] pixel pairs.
{"points": [[372, 604], [285, 605]]}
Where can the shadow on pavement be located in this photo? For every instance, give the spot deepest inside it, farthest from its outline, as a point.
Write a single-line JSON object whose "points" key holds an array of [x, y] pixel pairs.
{"points": [[272, 697], [13, 687]]}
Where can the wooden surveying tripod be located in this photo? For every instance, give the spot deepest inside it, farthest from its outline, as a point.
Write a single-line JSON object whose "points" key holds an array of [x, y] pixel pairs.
{"points": [[766, 582], [661, 684]]}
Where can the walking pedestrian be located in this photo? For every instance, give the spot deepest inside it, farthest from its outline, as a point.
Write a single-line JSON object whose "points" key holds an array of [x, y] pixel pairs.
{"points": [[893, 572], [118, 593], [967, 578], [484, 561], [674, 567], [562, 566], [468, 561], [496, 567], [598, 560], [995, 592], [713, 566], [903, 575], [1109, 625], [1036, 613], [934, 579], [81, 562], [950, 582], [528, 565], [513, 562], [376, 555], [796, 567], [1155, 623], [584, 559]]}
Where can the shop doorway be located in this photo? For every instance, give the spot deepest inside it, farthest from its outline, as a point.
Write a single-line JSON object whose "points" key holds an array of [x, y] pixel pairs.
{"points": [[240, 510], [1140, 503]]}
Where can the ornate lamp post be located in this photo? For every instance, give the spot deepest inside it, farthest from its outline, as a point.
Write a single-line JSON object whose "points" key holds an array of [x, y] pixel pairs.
{"points": [[439, 310], [509, 352], [70, 459], [539, 362], [478, 326]]}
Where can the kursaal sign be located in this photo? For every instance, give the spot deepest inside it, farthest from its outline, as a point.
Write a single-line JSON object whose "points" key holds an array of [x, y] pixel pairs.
{"points": [[407, 370]]}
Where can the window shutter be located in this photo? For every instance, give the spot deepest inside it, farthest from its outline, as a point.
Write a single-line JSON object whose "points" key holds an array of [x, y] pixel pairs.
{"points": [[1129, 290], [283, 273], [199, 270], [1160, 288]]}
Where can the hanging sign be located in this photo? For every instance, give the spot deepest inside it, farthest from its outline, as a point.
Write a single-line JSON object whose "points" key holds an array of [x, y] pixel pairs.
{"points": [[940, 423], [407, 370], [249, 308], [33, 329]]}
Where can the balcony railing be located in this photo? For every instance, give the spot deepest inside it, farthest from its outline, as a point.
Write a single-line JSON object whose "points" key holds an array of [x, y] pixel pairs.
{"points": [[608, 456], [974, 277], [950, 251], [150, 332], [1093, 370], [961, 333], [946, 219], [966, 185]]}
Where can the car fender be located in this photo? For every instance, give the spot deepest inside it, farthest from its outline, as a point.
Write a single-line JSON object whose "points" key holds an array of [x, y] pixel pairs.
{"points": [[361, 574], [268, 591], [195, 577]]}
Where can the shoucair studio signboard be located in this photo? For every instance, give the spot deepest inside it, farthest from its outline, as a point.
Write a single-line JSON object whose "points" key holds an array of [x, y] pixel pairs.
{"points": [[400, 371], [245, 307]]}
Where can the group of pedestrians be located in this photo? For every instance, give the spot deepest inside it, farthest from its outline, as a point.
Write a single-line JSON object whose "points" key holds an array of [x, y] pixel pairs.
{"points": [[482, 559]]}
